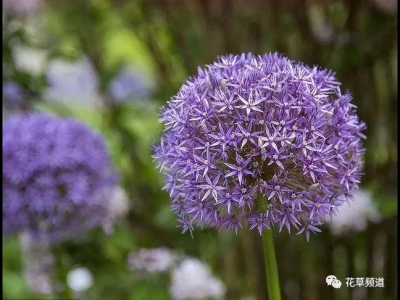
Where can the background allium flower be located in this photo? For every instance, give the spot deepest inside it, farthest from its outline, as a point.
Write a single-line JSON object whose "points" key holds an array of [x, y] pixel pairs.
{"points": [[152, 260], [265, 126], [54, 174], [192, 279], [38, 264], [130, 84], [354, 215], [12, 94]]}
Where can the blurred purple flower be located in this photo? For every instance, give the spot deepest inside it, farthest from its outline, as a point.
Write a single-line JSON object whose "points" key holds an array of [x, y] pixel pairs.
{"points": [[130, 84], [258, 141], [13, 95], [54, 174]]}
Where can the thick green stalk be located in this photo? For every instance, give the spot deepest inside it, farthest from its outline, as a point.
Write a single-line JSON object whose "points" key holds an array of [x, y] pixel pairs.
{"points": [[271, 267]]}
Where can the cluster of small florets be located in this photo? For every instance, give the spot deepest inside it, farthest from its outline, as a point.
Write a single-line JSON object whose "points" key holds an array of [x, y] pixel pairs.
{"points": [[257, 141], [55, 172]]}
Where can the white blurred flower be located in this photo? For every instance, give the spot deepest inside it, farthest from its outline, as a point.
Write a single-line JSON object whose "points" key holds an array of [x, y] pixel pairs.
{"points": [[354, 214], [38, 264], [76, 82], [152, 260], [192, 279], [79, 279], [119, 203], [30, 60]]}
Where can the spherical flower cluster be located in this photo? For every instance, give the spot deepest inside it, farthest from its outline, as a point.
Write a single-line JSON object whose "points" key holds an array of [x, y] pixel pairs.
{"points": [[355, 215], [54, 174], [257, 141], [192, 279]]}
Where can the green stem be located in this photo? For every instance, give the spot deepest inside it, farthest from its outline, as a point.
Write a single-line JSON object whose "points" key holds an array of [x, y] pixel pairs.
{"points": [[62, 270], [271, 267]]}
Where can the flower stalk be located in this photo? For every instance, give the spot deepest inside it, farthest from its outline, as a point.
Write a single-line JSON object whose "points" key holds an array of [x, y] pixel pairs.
{"points": [[271, 267]]}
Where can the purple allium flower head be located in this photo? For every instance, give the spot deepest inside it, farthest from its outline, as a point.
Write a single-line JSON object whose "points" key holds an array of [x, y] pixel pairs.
{"points": [[54, 174], [130, 84], [259, 141]]}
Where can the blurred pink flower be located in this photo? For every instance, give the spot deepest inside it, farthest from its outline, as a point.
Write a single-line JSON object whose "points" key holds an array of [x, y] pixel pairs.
{"points": [[21, 8]]}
